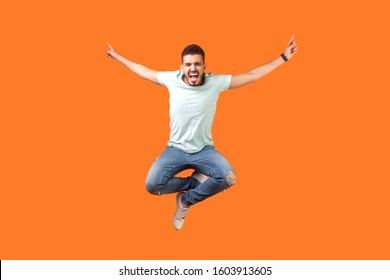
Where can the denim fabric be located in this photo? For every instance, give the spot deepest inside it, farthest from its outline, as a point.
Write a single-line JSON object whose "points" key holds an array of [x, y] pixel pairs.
{"points": [[208, 161]]}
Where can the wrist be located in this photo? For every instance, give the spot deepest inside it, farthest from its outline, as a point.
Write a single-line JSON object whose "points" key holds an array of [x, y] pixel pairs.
{"points": [[284, 57], [116, 56]]}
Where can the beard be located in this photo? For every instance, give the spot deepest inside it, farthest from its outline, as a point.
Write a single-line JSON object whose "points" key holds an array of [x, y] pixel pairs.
{"points": [[194, 81]]}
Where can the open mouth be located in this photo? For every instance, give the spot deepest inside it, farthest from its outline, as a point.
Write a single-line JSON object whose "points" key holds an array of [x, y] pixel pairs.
{"points": [[193, 77]]}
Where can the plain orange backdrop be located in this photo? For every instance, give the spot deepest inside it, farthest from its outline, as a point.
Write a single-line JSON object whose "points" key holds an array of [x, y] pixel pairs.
{"points": [[309, 142]]}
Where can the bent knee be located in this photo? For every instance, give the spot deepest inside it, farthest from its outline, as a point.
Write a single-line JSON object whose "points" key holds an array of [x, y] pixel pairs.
{"points": [[228, 180], [152, 188], [231, 178]]}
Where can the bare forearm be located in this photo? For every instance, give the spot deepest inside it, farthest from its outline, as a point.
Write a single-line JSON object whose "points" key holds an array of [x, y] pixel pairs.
{"points": [[258, 72], [255, 74], [264, 69], [137, 68]]}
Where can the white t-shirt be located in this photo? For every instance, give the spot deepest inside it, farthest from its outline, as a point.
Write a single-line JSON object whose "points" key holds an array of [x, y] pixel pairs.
{"points": [[192, 109]]}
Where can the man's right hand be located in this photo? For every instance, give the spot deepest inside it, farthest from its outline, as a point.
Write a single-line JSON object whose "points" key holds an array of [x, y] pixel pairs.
{"points": [[137, 68], [111, 53]]}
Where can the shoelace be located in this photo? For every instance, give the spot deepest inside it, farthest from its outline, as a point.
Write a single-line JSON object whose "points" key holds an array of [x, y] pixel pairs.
{"points": [[183, 213]]}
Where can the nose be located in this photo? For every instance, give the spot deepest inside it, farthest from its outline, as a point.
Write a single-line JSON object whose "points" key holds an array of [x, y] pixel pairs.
{"points": [[193, 68]]}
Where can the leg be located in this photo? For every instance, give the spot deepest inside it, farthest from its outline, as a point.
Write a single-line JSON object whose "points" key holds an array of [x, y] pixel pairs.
{"points": [[161, 180], [210, 163]]}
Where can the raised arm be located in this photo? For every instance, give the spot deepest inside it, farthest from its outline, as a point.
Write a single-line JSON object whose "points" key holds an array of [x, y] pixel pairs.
{"points": [[253, 75], [137, 68]]}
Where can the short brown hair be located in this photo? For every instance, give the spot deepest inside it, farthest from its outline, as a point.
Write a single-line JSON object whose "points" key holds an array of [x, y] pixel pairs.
{"points": [[192, 49]]}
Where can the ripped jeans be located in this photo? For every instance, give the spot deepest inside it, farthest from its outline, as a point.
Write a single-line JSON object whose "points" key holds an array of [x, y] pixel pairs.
{"points": [[208, 161]]}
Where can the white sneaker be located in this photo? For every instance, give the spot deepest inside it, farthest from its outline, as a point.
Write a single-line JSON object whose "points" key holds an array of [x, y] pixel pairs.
{"points": [[181, 212], [199, 176]]}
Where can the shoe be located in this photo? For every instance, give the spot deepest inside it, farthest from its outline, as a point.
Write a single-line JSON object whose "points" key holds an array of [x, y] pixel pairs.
{"points": [[199, 176], [181, 212]]}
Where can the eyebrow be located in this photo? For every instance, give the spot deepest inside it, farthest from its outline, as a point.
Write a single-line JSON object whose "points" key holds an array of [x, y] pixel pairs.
{"points": [[189, 63]]}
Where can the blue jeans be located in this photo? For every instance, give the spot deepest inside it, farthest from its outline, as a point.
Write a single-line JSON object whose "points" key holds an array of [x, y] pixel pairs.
{"points": [[208, 161]]}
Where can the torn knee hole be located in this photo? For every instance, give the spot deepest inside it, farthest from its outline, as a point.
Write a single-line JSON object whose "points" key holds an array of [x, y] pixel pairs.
{"points": [[231, 178]]}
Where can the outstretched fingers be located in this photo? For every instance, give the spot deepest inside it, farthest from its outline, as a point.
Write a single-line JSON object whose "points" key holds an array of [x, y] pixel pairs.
{"points": [[111, 48], [110, 52], [292, 47], [291, 40]]}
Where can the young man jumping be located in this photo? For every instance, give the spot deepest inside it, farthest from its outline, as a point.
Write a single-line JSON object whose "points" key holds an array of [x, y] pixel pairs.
{"points": [[193, 99]]}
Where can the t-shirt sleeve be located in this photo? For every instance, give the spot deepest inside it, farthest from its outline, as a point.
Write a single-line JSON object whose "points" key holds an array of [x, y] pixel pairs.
{"points": [[163, 77], [224, 82]]}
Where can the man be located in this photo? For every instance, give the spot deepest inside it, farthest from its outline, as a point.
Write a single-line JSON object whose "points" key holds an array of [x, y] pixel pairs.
{"points": [[193, 99]]}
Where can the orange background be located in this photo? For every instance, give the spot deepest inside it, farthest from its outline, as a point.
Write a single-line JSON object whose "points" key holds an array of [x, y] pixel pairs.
{"points": [[309, 142]]}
